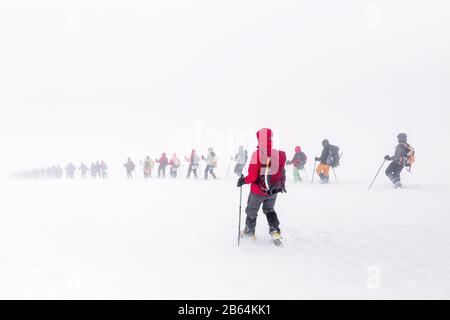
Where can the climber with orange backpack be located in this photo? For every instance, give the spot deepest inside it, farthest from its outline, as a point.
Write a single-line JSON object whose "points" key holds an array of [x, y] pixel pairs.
{"points": [[403, 157]]}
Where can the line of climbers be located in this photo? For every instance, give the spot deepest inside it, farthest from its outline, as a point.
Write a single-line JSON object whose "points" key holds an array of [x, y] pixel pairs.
{"points": [[98, 169], [404, 157]]}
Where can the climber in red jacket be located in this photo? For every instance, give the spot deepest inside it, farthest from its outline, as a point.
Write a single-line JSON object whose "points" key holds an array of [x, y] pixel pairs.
{"points": [[267, 177]]}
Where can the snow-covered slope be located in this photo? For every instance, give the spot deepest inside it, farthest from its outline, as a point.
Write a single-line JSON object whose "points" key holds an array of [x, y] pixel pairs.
{"points": [[106, 80], [178, 239]]}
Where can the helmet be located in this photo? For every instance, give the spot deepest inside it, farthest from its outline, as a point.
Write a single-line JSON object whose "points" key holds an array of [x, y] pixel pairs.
{"points": [[325, 142], [402, 138]]}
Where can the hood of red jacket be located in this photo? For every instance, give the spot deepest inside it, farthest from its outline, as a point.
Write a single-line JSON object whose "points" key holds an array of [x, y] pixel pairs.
{"points": [[264, 136], [298, 149]]}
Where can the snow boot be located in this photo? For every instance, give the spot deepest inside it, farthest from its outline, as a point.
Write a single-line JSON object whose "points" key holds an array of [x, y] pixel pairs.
{"points": [[323, 178], [276, 237], [249, 234]]}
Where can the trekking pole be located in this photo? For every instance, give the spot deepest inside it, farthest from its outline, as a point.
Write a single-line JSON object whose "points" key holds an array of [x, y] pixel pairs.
{"points": [[182, 169], [228, 170], [240, 209], [377, 173], [340, 156], [314, 170], [335, 176], [306, 173]]}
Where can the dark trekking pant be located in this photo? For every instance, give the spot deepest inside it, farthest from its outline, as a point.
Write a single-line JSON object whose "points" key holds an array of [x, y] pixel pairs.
{"points": [[173, 172], [190, 169], [253, 204], [129, 175], [393, 172], [210, 170], [161, 171]]}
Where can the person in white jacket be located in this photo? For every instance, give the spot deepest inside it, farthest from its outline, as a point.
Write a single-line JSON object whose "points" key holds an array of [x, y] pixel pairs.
{"points": [[240, 159], [211, 163]]}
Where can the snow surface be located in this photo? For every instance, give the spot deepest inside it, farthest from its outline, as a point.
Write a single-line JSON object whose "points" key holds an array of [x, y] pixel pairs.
{"points": [[177, 239], [87, 80]]}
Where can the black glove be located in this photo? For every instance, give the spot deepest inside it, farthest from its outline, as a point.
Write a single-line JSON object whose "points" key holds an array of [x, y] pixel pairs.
{"points": [[241, 181], [316, 158], [387, 157]]}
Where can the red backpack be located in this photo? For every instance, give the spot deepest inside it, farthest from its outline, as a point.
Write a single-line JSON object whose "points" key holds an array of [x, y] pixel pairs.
{"points": [[272, 173]]}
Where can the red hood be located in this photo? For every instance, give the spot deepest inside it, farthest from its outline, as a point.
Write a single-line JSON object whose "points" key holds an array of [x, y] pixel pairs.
{"points": [[298, 149], [265, 140]]}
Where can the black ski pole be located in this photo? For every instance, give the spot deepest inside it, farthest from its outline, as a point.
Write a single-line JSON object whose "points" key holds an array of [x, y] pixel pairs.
{"points": [[314, 170], [377, 173], [335, 176], [240, 207]]}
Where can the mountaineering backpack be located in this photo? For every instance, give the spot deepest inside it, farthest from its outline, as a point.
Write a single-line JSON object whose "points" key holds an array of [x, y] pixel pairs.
{"points": [[333, 156], [272, 182], [302, 159], [174, 163], [214, 160], [410, 157]]}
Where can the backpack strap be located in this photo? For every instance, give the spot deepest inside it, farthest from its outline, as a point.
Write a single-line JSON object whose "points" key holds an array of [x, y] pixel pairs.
{"points": [[266, 176]]}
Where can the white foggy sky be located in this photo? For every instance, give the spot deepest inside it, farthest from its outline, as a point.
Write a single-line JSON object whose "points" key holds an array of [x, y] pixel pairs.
{"points": [[87, 80]]}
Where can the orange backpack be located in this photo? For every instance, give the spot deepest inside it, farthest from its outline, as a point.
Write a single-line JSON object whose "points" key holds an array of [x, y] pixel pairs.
{"points": [[410, 157]]}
